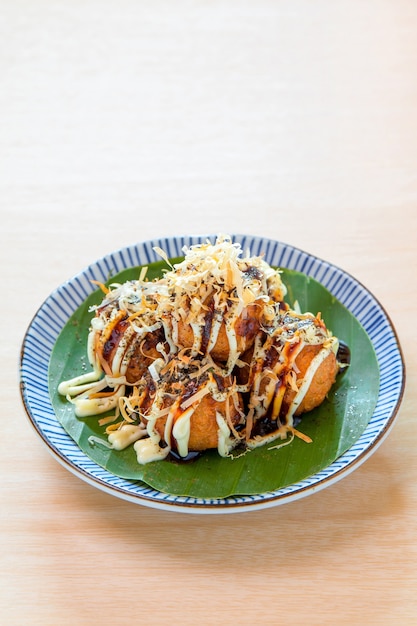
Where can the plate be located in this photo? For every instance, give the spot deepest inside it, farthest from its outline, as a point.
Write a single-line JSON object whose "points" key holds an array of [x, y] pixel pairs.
{"points": [[53, 315], [333, 427]]}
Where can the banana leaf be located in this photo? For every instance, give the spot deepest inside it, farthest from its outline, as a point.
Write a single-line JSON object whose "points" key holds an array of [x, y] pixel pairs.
{"points": [[333, 427]]}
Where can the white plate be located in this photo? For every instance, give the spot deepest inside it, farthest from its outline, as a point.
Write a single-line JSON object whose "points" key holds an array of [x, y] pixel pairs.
{"points": [[52, 316]]}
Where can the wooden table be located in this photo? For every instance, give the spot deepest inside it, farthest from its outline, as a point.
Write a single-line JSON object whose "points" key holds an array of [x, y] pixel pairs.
{"points": [[124, 121]]}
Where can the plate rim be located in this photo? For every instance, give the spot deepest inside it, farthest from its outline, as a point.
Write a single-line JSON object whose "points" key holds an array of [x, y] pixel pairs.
{"points": [[231, 504]]}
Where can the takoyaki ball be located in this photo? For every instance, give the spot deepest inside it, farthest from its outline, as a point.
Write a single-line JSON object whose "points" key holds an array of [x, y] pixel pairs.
{"points": [[199, 399], [122, 351], [143, 354], [273, 363], [243, 330], [204, 429], [204, 432], [120, 341], [321, 382]]}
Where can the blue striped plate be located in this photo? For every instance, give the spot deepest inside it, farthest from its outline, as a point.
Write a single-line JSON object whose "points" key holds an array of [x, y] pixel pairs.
{"points": [[52, 316]]}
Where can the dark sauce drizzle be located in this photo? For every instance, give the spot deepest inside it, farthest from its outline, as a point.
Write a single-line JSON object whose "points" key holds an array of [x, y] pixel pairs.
{"points": [[343, 355], [176, 458]]}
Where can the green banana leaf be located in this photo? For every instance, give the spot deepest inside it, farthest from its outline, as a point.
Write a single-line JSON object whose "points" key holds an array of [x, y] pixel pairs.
{"points": [[333, 427]]}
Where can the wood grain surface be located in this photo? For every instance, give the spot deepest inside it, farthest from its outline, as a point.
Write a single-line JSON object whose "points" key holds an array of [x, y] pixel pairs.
{"points": [[123, 121]]}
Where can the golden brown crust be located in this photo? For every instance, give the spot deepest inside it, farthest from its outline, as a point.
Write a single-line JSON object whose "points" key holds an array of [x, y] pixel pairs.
{"points": [[144, 353], [203, 425], [321, 383], [246, 328]]}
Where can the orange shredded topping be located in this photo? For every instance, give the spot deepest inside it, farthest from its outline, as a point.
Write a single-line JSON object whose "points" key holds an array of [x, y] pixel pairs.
{"points": [[102, 286], [301, 436], [101, 394]]}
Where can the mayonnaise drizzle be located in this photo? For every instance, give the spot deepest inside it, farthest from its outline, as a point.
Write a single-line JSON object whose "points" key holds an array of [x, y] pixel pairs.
{"points": [[328, 348], [181, 431], [86, 407], [148, 450], [78, 384], [126, 435], [225, 443]]}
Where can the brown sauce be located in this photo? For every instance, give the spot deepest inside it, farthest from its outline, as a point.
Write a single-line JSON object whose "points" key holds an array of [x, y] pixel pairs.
{"points": [[114, 339], [176, 458], [343, 354]]}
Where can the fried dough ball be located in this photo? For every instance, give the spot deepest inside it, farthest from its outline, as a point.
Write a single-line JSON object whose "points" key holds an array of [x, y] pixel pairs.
{"points": [[121, 350], [204, 429], [126, 335], [143, 355], [321, 383], [202, 401], [243, 331], [215, 302], [281, 371]]}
